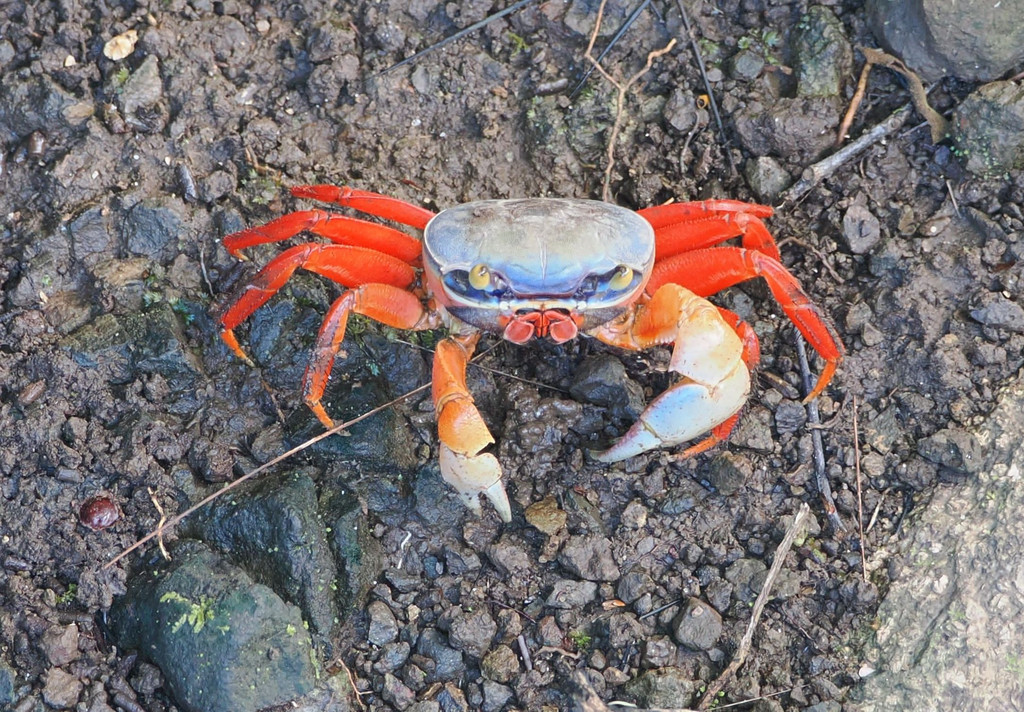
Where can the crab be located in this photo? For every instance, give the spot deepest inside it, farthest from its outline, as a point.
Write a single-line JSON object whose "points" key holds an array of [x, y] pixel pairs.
{"points": [[542, 268]]}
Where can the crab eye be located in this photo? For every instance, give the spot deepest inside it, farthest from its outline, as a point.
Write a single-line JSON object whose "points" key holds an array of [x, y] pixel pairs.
{"points": [[622, 278], [479, 277]]}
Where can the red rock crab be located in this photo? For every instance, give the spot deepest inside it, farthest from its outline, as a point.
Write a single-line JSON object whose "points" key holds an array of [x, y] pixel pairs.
{"points": [[542, 268]]}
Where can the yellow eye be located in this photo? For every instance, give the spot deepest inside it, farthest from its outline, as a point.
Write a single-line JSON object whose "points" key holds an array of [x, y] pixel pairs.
{"points": [[622, 278], [479, 277]]}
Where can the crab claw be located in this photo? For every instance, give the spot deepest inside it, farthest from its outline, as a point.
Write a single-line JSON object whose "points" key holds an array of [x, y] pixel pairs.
{"points": [[680, 414], [708, 354], [474, 475]]}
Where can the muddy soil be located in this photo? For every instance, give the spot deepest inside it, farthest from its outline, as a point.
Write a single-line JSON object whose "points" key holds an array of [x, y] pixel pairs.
{"points": [[120, 177]]}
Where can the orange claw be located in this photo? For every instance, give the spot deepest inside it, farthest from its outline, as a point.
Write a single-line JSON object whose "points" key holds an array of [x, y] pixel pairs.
{"points": [[711, 270], [708, 353], [462, 430]]}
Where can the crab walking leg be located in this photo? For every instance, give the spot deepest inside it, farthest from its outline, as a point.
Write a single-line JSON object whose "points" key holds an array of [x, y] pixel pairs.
{"points": [[383, 206], [680, 227], [346, 265], [462, 432], [708, 354], [337, 228], [714, 269], [385, 303]]}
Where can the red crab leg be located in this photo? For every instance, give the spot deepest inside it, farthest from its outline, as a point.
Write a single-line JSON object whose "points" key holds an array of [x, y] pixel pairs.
{"points": [[337, 228], [382, 206], [348, 266], [462, 431], [713, 269], [709, 355], [679, 227], [385, 303]]}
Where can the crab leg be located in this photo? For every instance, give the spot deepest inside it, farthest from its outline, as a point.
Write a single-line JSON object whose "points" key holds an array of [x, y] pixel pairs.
{"points": [[708, 354], [337, 228], [462, 432], [712, 270], [679, 227], [346, 265], [383, 206], [385, 303]]}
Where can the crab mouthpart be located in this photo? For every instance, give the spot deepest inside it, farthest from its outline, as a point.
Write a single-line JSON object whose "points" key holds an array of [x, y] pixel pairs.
{"points": [[556, 324]]}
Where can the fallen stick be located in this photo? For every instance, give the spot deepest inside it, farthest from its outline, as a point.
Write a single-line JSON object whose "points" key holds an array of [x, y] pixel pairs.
{"points": [[755, 616], [824, 168]]}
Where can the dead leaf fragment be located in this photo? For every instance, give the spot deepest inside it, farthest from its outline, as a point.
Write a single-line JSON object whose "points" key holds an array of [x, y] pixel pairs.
{"points": [[121, 46]]}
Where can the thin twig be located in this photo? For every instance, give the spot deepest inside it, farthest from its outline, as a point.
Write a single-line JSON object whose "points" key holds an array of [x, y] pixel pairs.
{"points": [[858, 97], [824, 168], [160, 524], [622, 88], [707, 87], [813, 419], [525, 652], [458, 35], [860, 496], [608, 48], [755, 615]]}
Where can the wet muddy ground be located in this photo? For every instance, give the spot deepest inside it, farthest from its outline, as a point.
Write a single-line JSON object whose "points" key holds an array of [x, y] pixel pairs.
{"points": [[120, 178]]}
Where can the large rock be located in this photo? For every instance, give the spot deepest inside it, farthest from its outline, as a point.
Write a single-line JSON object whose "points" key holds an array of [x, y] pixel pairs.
{"points": [[975, 40], [201, 613], [951, 625]]}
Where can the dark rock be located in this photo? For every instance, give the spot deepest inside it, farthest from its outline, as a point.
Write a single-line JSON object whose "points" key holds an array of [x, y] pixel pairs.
{"points": [[658, 651], [396, 693], [152, 228], [510, 558], [975, 40], [359, 555], [495, 696], [697, 626], [747, 575], [273, 530], [993, 309], [452, 699], [956, 449], [746, 65], [602, 380], [383, 626], [624, 629], [589, 557], [199, 611], [861, 229], [8, 680], [473, 632], [633, 585], [549, 633], [797, 130], [668, 687], [823, 55], [727, 473], [766, 177], [448, 661], [681, 111], [143, 89], [392, 657], [790, 416], [91, 236], [568, 594]]}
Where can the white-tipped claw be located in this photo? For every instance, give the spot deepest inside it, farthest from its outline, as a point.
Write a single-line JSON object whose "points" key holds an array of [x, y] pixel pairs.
{"points": [[473, 476], [681, 413]]}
